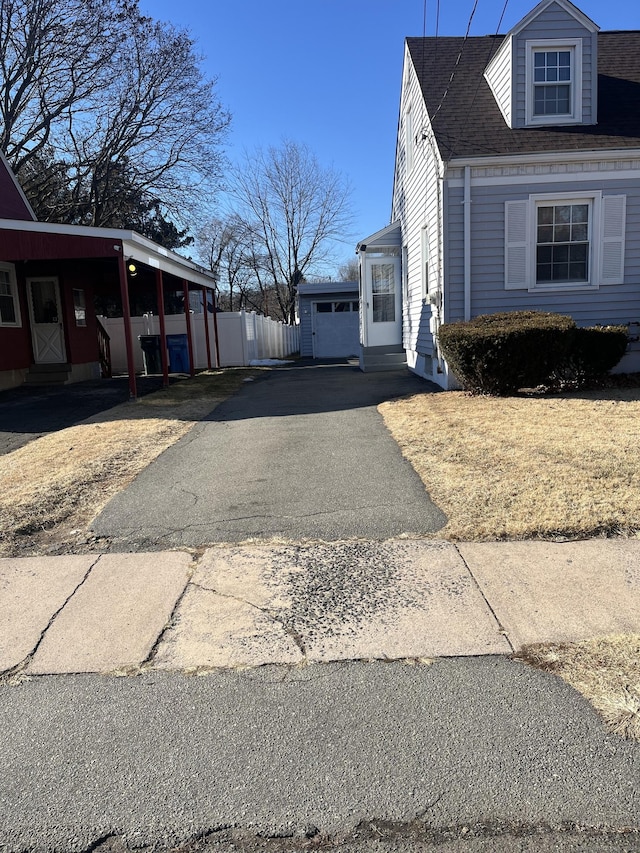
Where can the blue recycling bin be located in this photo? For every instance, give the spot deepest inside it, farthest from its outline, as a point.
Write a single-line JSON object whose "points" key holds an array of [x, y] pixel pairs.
{"points": [[178, 354]]}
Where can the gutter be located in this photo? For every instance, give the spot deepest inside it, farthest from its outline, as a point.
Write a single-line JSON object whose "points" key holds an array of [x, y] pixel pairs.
{"points": [[467, 242]]}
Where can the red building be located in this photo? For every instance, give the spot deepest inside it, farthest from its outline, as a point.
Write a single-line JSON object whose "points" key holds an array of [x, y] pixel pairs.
{"points": [[55, 279]]}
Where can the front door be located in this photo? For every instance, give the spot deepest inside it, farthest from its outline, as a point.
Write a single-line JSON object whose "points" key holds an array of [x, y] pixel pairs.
{"points": [[383, 301], [45, 312]]}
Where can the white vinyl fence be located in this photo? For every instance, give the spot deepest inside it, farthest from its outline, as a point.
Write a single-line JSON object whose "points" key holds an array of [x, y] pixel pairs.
{"points": [[246, 336], [243, 337]]}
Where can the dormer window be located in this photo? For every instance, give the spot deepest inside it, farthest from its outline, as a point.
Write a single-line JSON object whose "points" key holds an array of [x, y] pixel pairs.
{"points": [[553, 71], [552, 82]]}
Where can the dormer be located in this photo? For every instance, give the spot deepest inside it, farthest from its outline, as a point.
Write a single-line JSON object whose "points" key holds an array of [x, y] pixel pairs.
{"points": [[545, 72]]}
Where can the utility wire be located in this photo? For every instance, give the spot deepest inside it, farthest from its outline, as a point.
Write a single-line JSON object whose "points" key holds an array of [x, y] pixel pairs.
{"points": [[457, 62]]}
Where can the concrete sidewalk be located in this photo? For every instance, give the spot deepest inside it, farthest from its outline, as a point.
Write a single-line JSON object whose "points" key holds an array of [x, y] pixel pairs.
{"points": [[238, 606]]}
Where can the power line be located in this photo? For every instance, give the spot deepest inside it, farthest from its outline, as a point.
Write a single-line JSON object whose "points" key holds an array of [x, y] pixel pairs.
{"points": [[457, 62]]}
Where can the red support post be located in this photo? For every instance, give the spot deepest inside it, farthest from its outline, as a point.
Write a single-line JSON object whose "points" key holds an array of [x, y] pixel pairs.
{"points": [[206, 325], [187, 313], [126, 314], [163, 329]]}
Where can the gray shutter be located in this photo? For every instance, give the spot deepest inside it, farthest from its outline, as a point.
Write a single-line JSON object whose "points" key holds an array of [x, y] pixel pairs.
{"points": [[516, 249], [612, 244]]}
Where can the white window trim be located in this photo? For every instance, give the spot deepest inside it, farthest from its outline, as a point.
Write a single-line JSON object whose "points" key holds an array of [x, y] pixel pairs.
{"points": [[575, 47], [13, 284], [409, 140], [606, 241], [405, 274], [594, 200]]}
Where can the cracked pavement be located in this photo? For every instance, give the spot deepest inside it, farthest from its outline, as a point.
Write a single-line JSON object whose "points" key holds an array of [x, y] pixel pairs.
{"points": [[328, 751], [339, 682], [302, 454]]}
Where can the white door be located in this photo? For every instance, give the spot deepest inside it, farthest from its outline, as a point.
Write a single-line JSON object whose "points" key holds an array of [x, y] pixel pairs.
{"points": [[47, 330], [383, 301]]}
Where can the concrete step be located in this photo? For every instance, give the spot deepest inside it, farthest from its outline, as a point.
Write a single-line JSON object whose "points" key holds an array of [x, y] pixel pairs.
{"points": [[383, 361], [48, 374]]}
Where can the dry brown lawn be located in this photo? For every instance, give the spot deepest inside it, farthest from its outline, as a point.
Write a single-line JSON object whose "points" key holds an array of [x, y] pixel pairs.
{"points": [[53, 486], [526, 467], [605, 670]]}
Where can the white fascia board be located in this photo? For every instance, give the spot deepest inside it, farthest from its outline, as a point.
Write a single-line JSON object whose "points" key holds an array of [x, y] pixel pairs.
{"points": [[568, 7], [546, 157], [147, 252], [407, 67], [134, 245], [383, 232]]}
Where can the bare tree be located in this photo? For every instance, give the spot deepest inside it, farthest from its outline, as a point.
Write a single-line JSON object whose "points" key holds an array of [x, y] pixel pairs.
{"points": [[52, 53], [222, 246], [293, 209], [117, 100], [349, 270]]}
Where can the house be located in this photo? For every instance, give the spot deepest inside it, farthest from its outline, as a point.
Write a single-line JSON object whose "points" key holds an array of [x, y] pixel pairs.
{"points": [[57, 280], [329, 319], [516, 186]]}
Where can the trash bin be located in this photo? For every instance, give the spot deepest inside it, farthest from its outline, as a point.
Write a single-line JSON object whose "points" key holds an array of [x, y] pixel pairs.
{"points": [[178, 353], [151, 353]]}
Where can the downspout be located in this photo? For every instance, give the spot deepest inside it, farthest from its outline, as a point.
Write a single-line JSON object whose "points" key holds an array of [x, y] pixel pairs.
{"points": [[126, 315], [467, 242]]}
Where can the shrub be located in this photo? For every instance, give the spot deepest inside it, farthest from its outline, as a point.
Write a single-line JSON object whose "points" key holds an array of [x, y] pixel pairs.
{"points": [[499, 353], [599, 348]]}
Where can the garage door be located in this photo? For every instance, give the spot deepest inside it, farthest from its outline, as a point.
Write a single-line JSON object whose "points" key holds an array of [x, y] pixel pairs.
{"points": [[335, 329]]}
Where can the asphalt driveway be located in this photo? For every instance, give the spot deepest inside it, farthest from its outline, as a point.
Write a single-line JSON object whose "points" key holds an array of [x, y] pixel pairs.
{"points": [[300, 454]]}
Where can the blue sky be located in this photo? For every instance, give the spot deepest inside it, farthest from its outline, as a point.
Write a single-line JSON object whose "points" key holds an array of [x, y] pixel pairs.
{"points": [[327, 73]]}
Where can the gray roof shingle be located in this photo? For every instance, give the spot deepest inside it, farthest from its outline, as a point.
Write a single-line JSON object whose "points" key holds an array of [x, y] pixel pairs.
{"points": [[469, 122]]}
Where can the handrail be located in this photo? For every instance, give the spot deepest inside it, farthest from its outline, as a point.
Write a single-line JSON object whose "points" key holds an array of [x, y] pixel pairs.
{"points": [[104, 350]]}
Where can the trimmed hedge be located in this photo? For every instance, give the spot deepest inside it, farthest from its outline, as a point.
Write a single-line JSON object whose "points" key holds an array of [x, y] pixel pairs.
{"points": [[599, 348], [499, 353]]}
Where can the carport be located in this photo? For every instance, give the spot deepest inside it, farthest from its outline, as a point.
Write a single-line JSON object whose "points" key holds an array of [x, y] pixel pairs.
{"points": [[329, 319]]}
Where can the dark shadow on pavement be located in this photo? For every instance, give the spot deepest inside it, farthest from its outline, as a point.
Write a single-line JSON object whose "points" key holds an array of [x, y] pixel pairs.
{"points": [[308, 387], [28, 412]]}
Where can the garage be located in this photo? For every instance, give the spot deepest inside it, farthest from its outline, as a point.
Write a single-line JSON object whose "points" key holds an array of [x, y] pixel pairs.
{"points": [[329, 319]]}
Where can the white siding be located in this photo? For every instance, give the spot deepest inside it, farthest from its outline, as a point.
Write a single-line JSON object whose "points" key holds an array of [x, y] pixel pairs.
{"points": [[498, 75], [417, 205]]}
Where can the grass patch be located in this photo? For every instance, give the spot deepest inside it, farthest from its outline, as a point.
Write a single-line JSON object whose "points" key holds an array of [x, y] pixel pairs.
{"points": [[53, 486], [606, 671], [525, 467]]}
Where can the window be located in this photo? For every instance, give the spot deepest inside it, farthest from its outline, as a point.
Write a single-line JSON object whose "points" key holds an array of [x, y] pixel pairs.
{"points": [[383, 291], [79, 307], [553, 80], [562, 242], [335, 307], [9, 303]]}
